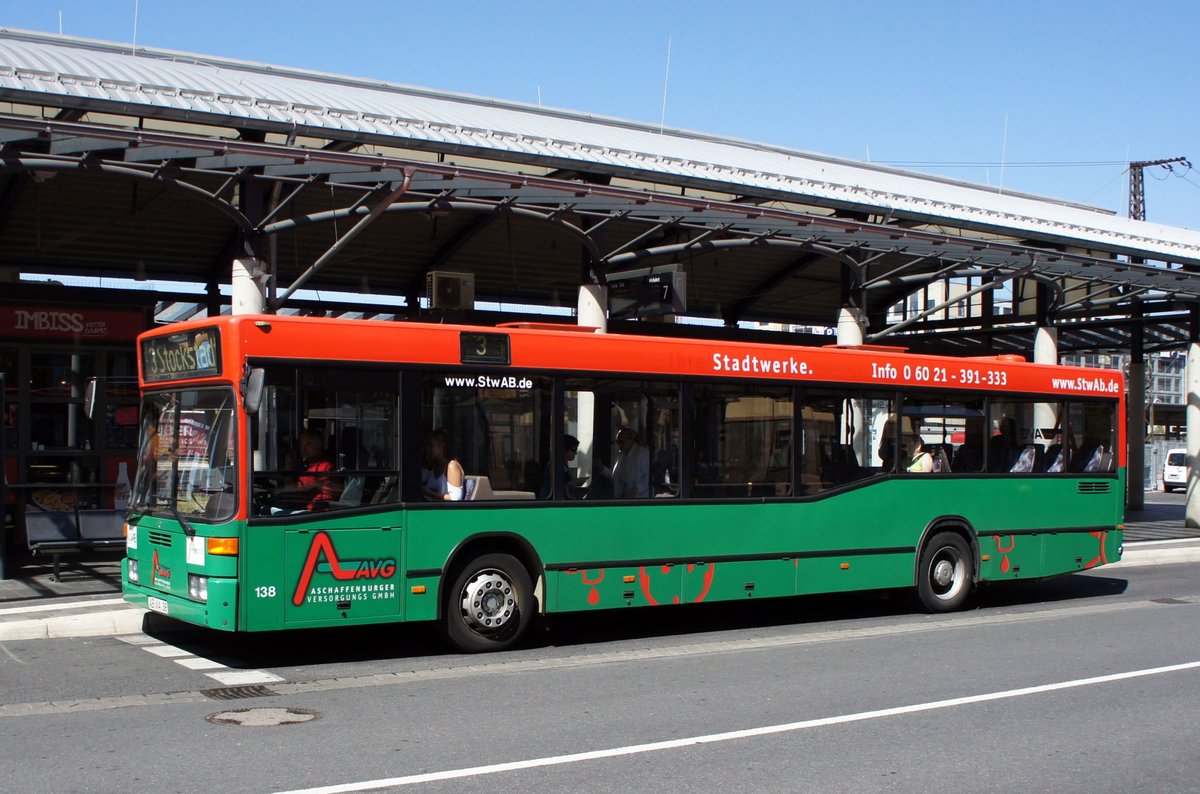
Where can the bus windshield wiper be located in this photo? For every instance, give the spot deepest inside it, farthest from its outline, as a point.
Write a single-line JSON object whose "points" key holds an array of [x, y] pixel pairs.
{"points": [[188, 529]]}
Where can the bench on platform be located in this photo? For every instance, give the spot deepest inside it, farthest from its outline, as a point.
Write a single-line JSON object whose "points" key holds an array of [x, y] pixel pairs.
{"points": [[60, 531]]}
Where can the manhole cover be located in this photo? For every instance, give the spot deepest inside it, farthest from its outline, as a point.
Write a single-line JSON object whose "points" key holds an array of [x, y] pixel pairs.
{"points": [[263, 717]]}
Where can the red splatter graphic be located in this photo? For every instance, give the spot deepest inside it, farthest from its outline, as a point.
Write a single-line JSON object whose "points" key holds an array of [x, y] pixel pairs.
{"points": [[1005, 565], [1102, 557], [644, 579], [593, 596]]}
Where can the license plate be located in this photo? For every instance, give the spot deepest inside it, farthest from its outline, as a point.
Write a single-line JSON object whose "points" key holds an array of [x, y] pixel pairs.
{"points": [[157, 605]]}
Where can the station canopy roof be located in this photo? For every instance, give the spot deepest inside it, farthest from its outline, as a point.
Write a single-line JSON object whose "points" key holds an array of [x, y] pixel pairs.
{"points": [[166, 166]]}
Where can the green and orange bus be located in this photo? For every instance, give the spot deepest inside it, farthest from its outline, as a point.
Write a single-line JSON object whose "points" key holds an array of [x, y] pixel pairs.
{"points": [[292, 473]]}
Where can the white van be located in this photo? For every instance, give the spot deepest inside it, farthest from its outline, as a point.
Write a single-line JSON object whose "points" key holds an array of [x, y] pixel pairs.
{"points": [[1175, 470]]}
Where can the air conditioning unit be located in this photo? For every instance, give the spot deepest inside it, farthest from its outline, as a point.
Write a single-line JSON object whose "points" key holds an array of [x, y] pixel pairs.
{"points": [[450, 290]]}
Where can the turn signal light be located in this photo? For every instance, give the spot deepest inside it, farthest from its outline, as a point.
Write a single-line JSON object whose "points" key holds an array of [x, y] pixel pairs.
{"points": [[224, 546]]}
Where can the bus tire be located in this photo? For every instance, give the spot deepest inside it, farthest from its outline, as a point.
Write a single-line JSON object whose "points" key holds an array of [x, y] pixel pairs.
{"points": [[489, 605], [945, 573]]}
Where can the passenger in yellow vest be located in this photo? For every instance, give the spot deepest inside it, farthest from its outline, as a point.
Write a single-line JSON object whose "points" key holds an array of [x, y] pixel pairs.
{"points": [[921, 460]]}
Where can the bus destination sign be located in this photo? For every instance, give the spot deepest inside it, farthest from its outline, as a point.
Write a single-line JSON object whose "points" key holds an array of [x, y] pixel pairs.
{"points": [[477, 348], [187, 354]]}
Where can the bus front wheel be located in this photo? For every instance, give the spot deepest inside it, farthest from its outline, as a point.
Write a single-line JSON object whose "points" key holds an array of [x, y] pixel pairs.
{"points": [[489, 605], [945, 573]]}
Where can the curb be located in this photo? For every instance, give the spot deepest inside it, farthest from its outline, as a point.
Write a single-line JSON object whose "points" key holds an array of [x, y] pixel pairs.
{"points": [[95, 624], [1158, 553]]}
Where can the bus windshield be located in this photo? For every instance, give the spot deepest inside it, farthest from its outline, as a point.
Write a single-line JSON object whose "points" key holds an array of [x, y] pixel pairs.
{"points": [[186, 455]]}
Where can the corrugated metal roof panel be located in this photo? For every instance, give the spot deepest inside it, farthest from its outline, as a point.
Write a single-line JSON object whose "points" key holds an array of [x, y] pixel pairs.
{"points": [[178, 83]]}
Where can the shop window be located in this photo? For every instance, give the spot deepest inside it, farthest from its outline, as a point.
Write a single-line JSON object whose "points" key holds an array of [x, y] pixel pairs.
{"points": [[59, 426], [59, 374]]}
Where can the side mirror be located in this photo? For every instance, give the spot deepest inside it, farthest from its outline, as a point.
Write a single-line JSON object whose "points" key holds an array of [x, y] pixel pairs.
{"points": [[252, 391], [89, 398]]}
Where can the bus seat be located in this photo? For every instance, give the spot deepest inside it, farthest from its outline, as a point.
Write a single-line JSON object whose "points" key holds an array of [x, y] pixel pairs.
{"points": [[1025, 460], [1101, 460], [941, 462], [477, 487], [352, 493], [384, 493]]}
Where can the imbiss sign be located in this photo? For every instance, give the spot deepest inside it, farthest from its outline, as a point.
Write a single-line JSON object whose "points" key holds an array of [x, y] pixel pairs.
{"points": [[81, 324]]}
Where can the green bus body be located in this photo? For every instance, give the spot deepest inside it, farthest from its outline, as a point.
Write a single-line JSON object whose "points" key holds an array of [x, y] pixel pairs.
{"points": [[600, 557], [396, 562]]}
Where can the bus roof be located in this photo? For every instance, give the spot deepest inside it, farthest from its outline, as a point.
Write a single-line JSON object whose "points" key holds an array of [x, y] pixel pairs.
{"points": [[500, 349]]}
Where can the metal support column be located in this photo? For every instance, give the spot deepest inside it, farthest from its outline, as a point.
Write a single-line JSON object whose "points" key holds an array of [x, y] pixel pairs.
{"points": [[1192, 378], [850, 326], [1045, 351], [3, 480], [593, 306], [249, 286], [1135, 421]]}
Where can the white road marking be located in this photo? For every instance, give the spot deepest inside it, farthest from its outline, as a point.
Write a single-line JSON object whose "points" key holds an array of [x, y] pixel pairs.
{"points": [[200, 663], [191, 661], [243, 677], [60, 605], [747, 733], [138, 639]]}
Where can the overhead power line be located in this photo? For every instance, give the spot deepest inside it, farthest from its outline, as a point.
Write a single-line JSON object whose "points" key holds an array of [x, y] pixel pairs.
{"points": [[983, 164]]}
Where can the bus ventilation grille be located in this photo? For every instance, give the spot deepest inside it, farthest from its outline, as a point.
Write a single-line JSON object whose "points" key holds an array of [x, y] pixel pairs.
{"points": [[1094, 487], [160, 539], [238, 692]]}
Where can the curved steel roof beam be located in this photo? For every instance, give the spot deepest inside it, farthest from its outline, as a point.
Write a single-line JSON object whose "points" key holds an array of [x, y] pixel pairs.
{"points": [[32, 165], [630, 257], [457, 206]]}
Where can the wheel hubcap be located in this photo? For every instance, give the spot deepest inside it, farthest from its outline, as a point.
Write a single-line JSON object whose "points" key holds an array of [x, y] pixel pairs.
{"points": [[943, 573], [947, 574], [487, 601]]}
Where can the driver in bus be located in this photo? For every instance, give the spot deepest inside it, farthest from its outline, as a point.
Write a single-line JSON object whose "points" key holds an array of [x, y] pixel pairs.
{"points": [[314, 480]]}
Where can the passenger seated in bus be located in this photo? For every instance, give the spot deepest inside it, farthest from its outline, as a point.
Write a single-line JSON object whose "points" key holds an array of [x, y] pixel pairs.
{"points": [[631, 472], [1002, 450], [969, 455], [572, 485], [921, 461], [887, 447], [442, 477], [314, 482]]}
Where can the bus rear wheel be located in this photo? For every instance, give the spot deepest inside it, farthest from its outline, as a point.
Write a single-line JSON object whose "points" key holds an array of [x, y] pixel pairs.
{"points": [[945, 573], [489, 605]]}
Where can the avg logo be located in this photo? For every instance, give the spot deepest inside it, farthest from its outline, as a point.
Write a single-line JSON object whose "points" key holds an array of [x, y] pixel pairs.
{"points": [[158, 571], [342, 570]]}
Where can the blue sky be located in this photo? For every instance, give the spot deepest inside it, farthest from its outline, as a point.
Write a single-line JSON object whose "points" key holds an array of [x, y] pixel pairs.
{"points": [[927, 85]]}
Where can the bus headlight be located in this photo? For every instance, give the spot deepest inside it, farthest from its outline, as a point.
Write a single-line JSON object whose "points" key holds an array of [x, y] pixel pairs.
{"points": [[133, 572], [198, 587]]}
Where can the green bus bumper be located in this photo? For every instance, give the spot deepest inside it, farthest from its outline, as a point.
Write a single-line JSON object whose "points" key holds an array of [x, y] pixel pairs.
{"points": [[219, 612]]}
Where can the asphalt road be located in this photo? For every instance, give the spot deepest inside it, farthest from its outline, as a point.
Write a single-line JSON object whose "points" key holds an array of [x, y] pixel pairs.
{"points": [[828, 694]]}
